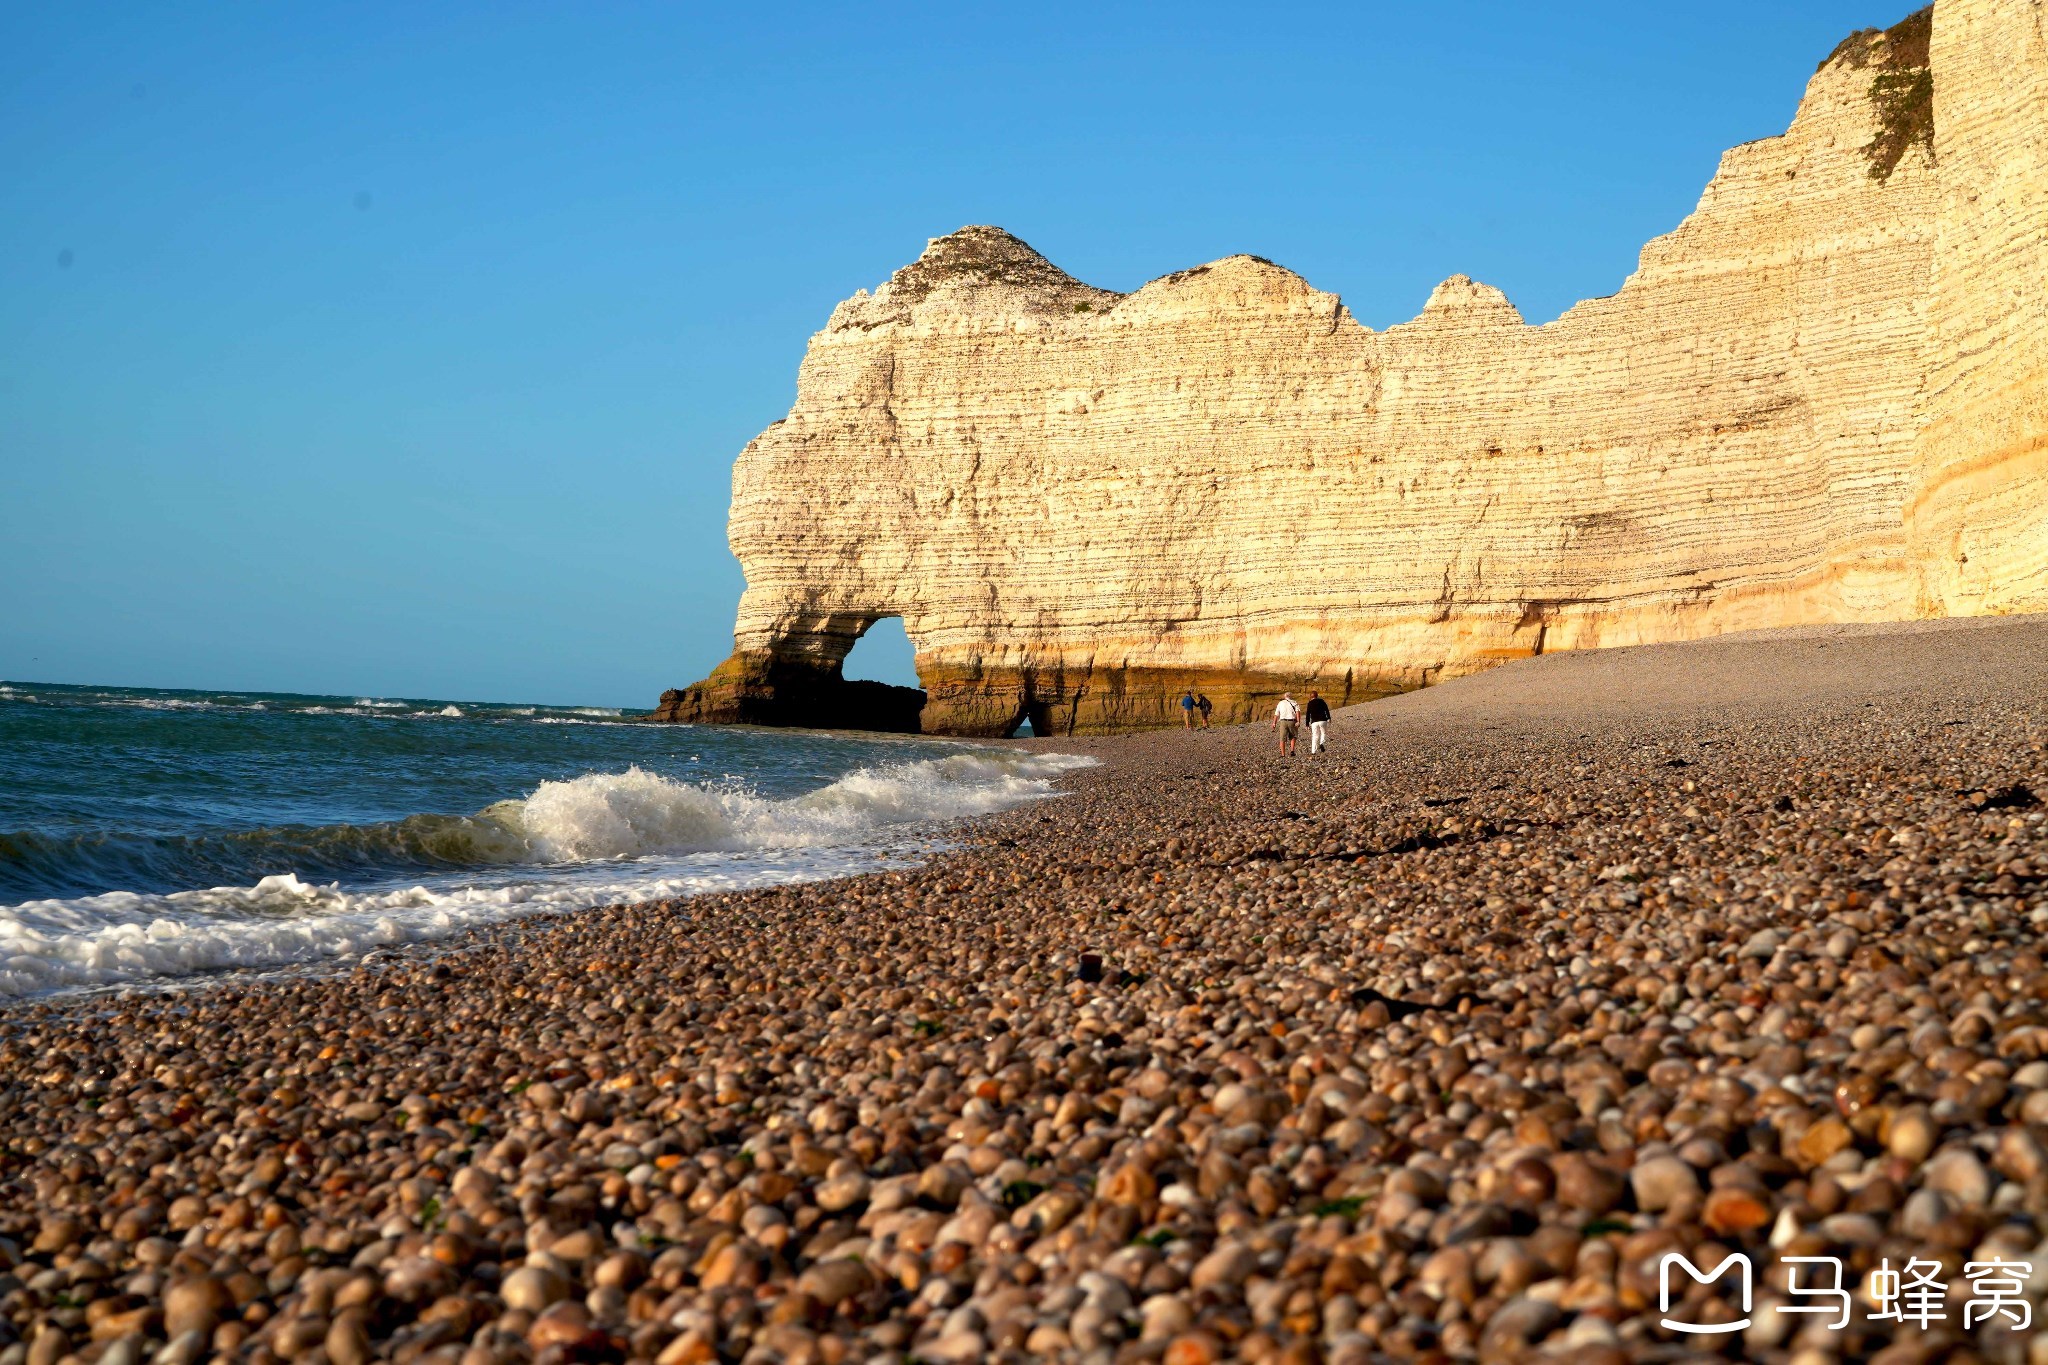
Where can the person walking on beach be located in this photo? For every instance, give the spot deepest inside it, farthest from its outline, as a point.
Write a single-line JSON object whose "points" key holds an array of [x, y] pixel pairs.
{"points": [[1318, 722], [1187, 709], [1205, 706], [1287, 720]]}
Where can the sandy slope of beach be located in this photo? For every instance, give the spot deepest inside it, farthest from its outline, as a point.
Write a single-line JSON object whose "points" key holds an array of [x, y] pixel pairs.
{"points": [[1733, 946]]}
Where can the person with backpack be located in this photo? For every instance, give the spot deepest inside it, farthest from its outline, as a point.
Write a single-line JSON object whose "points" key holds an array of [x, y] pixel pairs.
{"points": [[1205, 706], [1318, 723]]}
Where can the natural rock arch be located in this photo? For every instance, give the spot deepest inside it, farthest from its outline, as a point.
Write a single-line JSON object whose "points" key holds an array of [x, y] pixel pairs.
{"points": [[800, 680], [1822, 398]]}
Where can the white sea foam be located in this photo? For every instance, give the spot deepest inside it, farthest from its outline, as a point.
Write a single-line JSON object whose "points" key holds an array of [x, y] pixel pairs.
{"points": [[122, 937], [636, 813], [449, 711], [594, 840]]}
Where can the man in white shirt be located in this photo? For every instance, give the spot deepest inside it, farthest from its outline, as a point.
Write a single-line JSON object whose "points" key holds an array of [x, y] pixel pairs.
{"points": [[1287, 720]]}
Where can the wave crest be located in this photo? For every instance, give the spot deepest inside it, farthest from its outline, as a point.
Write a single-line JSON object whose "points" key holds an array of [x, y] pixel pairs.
{"points": [[636, 813], [610, 837], [626, 815]]}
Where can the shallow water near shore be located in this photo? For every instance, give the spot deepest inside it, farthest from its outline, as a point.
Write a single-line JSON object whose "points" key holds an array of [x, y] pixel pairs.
{"points": [[149, 835]]}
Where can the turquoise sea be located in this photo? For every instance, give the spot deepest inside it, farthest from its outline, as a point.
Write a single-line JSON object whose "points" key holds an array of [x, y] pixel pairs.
{"points": [[154, 836]]}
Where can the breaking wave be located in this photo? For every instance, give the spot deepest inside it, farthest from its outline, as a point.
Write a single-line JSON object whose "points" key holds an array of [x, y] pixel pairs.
{"points": [[635, 813], [599, 839]]}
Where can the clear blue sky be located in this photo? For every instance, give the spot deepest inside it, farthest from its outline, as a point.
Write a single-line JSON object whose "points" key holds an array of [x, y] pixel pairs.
{"points": [[404, 349]]}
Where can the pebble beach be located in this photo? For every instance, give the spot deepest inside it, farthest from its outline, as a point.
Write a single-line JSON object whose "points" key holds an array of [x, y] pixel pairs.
{"points": [[1430, 1047]]}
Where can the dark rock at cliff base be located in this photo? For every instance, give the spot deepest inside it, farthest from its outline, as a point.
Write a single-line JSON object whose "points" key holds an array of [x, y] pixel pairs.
{"points": [[745, 690]]}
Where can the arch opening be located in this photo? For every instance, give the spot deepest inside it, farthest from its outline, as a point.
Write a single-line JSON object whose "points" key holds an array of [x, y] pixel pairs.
{"points": [[1033, 719], [882, 653]]}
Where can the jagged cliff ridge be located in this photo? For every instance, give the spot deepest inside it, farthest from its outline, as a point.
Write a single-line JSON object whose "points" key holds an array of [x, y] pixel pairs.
{"points": [[1824, 397]]}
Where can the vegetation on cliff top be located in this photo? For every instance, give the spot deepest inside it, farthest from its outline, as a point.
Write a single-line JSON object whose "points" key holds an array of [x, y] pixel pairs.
{"points": [[987, 255], [1902, 90]]}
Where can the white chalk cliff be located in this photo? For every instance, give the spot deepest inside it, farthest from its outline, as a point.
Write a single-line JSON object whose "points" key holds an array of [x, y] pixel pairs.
{"points": [[1824, 397]]}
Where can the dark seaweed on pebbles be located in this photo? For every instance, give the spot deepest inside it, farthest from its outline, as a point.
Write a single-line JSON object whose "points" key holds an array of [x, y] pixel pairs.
{"points": [[1787, 998]]}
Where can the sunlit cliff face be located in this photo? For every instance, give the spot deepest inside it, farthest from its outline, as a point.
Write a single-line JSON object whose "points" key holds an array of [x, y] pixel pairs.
{"points": [[1821, 398]]}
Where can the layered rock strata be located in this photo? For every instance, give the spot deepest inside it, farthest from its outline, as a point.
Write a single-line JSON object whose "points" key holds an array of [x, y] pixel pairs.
{"points": [[1822, 398]]}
